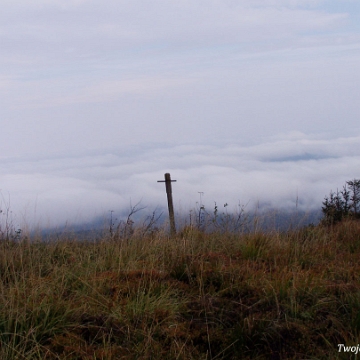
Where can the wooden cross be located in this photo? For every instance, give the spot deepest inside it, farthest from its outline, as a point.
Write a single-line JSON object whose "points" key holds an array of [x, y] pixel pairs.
{"points": [[168, 182]]}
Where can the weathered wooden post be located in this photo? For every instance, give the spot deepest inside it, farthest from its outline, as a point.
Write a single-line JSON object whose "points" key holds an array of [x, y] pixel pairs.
{"points": [[168, 182]]}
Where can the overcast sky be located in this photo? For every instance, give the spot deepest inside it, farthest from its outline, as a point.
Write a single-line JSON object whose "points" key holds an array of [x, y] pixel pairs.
{"points": [[248, 100]]}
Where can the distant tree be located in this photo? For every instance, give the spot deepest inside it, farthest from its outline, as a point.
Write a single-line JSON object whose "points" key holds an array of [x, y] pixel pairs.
{"points": [[354, 186], [342, 204]]}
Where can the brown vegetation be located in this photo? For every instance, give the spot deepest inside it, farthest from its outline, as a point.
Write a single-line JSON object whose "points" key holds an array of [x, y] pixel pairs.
{"points": [[291, 295]]}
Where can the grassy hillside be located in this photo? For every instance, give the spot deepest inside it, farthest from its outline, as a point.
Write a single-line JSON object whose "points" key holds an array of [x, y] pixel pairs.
{"points": [[291, 295]]}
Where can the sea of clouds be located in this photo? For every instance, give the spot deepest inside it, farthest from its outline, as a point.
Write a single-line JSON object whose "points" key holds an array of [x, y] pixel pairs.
{"points": [[291, 171]]}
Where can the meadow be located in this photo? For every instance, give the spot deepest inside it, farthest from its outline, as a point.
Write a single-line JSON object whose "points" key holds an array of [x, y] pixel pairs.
{"points": [[196, 295]]}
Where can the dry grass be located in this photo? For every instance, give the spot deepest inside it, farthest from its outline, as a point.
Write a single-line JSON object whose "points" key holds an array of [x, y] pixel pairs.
{"points": [[293, 295]]}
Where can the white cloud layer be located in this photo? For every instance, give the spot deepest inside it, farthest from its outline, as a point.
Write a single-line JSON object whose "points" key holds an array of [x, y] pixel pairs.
{"points": [[52, 191]]}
